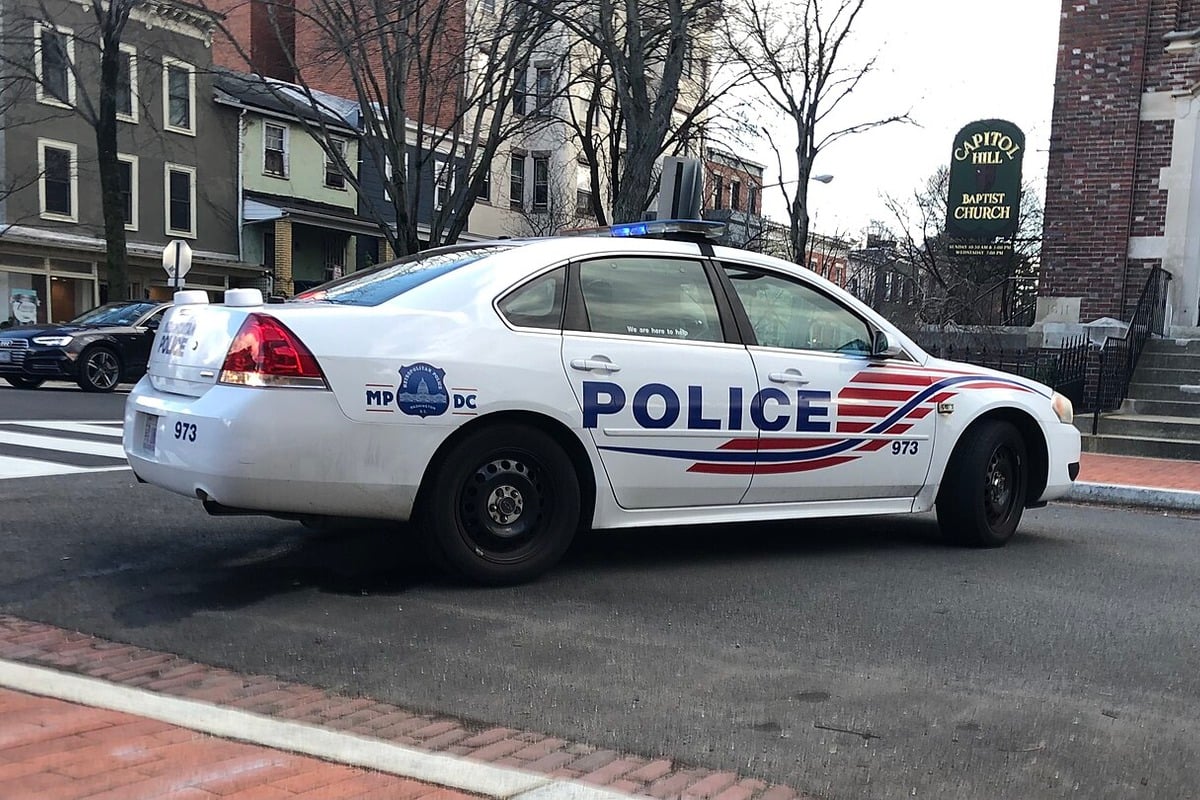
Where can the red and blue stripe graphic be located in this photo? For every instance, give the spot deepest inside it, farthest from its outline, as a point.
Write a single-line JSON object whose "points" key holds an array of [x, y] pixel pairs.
{"points": [[874, 409]]}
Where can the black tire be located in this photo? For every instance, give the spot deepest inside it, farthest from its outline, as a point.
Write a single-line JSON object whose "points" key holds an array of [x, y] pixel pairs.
{"points": [[24, 383], [503, 505], [99, 370], [983, 492]]}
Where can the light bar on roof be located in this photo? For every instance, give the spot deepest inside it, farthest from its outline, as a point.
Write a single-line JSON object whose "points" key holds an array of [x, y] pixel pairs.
{"points": [[658, 228]]}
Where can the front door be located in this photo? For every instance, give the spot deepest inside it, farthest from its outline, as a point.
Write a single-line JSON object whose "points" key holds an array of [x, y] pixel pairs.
{"points": [[835, 424], [661, 392]]}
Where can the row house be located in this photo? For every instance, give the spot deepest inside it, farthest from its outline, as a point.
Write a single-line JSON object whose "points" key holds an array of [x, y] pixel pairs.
{"points": [[179, 176], [299, 213], [733, 195]]}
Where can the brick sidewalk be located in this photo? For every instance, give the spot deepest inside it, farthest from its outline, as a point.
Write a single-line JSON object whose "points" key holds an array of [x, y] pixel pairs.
{"points": [[43, 645], [53, 750], [1152, 473]]}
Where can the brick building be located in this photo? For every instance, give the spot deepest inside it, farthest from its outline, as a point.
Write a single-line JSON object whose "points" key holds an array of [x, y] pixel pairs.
{"points": [[1123, 187]]}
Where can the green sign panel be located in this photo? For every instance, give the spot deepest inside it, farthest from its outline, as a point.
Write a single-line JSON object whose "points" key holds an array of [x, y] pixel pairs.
{"points": [[982, 211]]}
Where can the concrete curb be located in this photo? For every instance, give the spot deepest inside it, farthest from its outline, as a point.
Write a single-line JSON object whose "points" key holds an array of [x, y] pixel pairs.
{"points": [[488, 780], [1137, 496]]}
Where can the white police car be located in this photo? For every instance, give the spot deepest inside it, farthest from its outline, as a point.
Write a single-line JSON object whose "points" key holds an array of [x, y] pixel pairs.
{"points": [[505, 394]]}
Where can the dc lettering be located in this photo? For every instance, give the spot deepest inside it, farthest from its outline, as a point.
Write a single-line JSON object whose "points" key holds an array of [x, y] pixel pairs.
{"points": [[383, 398]]}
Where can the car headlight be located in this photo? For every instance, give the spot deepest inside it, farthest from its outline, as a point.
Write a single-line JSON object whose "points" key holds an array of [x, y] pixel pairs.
{"points": [[1063, 408], [52, 341]]}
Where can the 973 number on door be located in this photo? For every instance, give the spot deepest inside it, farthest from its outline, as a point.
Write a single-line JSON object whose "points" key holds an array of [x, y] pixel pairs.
{"points": [[904, 448]]}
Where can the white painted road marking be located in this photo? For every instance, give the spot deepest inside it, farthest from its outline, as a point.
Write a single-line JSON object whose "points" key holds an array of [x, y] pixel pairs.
{"points": [[67, 443], [297, 737]]}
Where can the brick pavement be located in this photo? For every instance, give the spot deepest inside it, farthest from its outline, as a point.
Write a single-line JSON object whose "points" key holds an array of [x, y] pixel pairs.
{"points": [[54, 750], [44, 645], [1154, 473]]}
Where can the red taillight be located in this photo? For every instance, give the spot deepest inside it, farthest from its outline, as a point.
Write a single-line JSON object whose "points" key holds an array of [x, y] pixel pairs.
{"points": [[265, 353]]}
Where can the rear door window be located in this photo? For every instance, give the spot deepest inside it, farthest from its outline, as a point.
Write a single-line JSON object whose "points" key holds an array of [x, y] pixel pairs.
{"points": [[646, 296]]}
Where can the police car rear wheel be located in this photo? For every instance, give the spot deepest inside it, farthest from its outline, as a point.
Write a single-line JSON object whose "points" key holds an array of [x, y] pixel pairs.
{"points": [[504, 505], [983, 491]]}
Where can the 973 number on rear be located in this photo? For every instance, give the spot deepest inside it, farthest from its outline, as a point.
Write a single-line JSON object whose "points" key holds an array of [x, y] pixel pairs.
{"points": [[185, 431]]}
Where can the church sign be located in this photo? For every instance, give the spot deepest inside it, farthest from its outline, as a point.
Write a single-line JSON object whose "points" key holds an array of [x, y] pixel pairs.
{"points": [[983, 209]]}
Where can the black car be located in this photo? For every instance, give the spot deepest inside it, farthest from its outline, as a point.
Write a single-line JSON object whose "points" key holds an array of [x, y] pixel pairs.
{"points": [[97, 349]]}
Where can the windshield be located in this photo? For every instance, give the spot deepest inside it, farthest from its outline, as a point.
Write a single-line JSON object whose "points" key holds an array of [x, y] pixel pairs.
{"points": [[380, 284], [115, 314]]}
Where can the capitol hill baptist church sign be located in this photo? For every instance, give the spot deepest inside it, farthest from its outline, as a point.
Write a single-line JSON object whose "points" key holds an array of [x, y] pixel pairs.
{"points": [[985, 188]]}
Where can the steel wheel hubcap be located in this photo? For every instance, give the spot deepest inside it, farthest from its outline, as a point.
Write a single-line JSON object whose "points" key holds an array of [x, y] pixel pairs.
{"points": [[501, 508], [998, 489], [102, 370]]}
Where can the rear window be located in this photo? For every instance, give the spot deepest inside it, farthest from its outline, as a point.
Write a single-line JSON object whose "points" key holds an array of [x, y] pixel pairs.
{"points": [[379, 284]]}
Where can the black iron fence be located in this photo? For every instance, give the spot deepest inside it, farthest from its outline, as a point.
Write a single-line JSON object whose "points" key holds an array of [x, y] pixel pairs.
{"points": [[1095, 377]]}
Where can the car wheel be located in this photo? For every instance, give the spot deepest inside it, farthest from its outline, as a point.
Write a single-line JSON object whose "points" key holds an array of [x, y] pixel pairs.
{"points": [[99, 370], [503, 505], [24, 383], [982, 495]]}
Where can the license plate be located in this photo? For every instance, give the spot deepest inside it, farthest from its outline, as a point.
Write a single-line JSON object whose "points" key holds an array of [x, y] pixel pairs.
{"points": [[150, 433], [5, 357]]}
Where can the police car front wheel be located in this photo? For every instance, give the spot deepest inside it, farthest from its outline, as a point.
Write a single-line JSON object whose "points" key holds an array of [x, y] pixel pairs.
{"points": [[503, 506], [983, 491]]}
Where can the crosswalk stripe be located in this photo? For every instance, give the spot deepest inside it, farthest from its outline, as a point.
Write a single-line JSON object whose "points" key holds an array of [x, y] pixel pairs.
{"points": [[31, 468], [62, 445], [73, 427]]}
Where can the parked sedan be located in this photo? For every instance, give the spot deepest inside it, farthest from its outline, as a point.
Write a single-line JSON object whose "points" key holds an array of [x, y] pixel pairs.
{"points": [[505, 394], [97, 349]]}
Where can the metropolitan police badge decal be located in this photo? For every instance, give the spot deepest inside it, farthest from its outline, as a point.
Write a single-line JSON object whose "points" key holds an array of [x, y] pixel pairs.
{"points": [[422, 391]]}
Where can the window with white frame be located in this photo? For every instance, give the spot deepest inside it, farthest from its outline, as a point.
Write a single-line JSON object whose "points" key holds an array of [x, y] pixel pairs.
{"points": [[443, 177], [127, 167], [54, 59], [541, 183], [484, 192], [334, 179], [127, 100], [516, 181], [58, 188], [275, 149], [545, 89], [583, 189], [735, 195], [180, 191], [718, 191], [520, 90], [179, 96], [752, 199]]}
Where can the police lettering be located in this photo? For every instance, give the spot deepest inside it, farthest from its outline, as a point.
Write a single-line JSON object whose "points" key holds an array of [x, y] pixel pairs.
{"points": [[657, 406]]}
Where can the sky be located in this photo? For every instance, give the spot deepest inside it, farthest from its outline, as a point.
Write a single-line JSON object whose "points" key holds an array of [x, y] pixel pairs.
{"points": [[946, 63]]}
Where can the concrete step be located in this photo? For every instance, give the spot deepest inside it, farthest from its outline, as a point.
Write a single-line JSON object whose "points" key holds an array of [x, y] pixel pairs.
{"points": [[1161, 408], [1161, 391], [1144, 426], [1181, 450], [1177, 377], [1172, 346], [1169, 360]]}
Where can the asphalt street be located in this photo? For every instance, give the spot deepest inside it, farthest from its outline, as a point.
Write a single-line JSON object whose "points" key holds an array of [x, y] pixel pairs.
{"points": [[852, 659]]}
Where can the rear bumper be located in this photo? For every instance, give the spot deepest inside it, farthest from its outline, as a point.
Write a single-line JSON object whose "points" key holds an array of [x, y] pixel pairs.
{"points": [[284, 451], [1063, 446]]}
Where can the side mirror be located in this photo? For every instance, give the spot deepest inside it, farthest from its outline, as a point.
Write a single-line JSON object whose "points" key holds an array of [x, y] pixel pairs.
{"points": [[882, 347], [152, 323]]}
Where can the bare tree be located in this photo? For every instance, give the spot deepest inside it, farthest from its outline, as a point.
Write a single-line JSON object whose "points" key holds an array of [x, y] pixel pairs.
{"points": [[792, 50], [643, 89], [437, 87], [965, 289], [95, 98]]}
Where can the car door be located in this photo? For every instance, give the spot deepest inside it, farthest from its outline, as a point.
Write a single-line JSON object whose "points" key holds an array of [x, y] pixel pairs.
{"points": [[835, 424], [135, 345], [661, 391]]}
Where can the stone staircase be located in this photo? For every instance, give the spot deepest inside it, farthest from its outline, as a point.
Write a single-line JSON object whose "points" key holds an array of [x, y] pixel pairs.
{"points": [[1161, 416]]}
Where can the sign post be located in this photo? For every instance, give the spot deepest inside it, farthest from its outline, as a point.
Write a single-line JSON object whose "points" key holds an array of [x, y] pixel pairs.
{"points": [[177, 260]]}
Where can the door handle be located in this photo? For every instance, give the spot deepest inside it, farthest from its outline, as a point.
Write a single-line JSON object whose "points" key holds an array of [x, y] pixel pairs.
{"points": [[594, 364], [788, 376]]}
